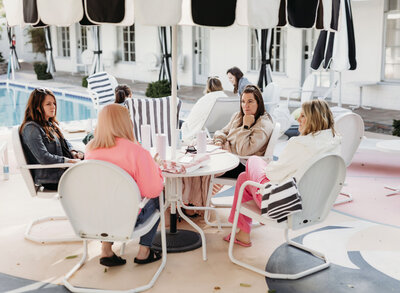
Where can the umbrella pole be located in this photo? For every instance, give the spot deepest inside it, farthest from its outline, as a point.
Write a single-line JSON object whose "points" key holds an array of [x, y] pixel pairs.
{"points": [[174, 90]]}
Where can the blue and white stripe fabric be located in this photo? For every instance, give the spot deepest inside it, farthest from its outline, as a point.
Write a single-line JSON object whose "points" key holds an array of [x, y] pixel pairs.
{"points": [[155, 112], [280, 200], [101, 87]]}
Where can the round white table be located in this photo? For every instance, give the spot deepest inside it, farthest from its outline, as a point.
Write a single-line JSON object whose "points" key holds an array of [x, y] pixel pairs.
{"points": [[391, 146], [186, 240]]}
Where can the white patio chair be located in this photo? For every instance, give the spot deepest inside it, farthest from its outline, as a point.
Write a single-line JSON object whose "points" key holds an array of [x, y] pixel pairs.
{"points": [[101, 86], [351, 127], [306, 92], [318, 187], [155, 112], [271, 96], [104, 206], [221, 114], [37, 192], [211, 204]]}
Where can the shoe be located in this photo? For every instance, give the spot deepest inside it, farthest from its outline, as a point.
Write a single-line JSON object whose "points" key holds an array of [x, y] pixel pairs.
{"points": [[153, 256], [244, 244], [112, 261]]}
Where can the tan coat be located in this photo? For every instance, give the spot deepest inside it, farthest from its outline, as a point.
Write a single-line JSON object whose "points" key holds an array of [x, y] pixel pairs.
{"points": [[246, 142]]}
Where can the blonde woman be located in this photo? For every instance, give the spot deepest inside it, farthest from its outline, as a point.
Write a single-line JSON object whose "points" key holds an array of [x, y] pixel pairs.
{"points": [[200, 111], [317, 136], [114, 142]]}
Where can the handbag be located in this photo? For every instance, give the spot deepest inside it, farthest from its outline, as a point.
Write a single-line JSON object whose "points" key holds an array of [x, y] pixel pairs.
{"points": [[280, 200]]}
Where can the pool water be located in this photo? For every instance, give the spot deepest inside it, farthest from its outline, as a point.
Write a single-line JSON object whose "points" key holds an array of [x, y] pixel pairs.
{"points": [[13, 102]]}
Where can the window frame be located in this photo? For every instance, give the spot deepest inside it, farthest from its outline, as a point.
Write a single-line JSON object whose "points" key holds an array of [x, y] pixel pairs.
{"points": [[384, 47], [130, 42], [61, 42]]}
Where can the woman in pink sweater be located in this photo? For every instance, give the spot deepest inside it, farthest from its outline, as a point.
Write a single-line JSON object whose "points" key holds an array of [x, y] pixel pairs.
{"points": [[114, 142]]}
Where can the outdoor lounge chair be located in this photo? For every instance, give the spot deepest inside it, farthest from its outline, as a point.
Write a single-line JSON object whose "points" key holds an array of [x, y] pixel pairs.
{"points": [[101, 86], [271, 96], [268, 156], [319, 186], [36, 191], [104, 206], [351, 127], [155, 112], [221, 114]]}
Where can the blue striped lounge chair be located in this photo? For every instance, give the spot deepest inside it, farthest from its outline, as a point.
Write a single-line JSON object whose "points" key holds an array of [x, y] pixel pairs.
{"points": [[155, 112], [101, 86]]}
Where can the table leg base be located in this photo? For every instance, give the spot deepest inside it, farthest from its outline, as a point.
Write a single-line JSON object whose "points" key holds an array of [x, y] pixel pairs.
{"points": [[355, 107], [395, 189], [180, 241]]}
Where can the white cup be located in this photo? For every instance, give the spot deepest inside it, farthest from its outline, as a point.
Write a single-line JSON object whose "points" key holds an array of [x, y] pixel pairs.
{"points": [[201, 142], [161, 146], [146, 136]]}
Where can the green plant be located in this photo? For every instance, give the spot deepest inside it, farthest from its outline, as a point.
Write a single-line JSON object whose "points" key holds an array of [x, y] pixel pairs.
{"points": [[37, 39], [2, 60], [84, 81], [396, 127], [40, 70], [158, 89]]}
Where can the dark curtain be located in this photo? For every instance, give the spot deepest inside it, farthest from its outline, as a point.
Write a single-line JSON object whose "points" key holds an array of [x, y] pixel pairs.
{"points": [[165, 36], [265, 43], [49, 51]]}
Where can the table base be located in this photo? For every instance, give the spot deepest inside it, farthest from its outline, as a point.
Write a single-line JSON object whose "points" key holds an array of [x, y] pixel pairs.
{"points": [[354, 107], [395, 189], [179, 241]]}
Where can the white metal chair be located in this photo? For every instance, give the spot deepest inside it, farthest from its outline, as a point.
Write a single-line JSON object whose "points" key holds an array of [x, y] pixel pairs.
{"points": [[306, 92], [271, 96], [35, 191], [351, 127], [155, 112], [211, 205], [101, 86], [319, 186], [104, 206], [221, 114]]}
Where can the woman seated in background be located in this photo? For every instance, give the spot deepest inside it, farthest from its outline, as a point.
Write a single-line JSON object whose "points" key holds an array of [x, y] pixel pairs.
{"points": [[246, 134], [122, 92], [42, 139], [235, 76], [114, 142], [200, 111], [317, 137]]}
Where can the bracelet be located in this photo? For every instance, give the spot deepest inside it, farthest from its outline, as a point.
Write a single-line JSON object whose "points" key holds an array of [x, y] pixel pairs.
{"points": [[245, 126]]}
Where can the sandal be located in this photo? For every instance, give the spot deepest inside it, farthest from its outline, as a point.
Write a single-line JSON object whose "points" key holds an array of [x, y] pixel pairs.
{"points": [[153, 256], [244, 244], [112, 261]]}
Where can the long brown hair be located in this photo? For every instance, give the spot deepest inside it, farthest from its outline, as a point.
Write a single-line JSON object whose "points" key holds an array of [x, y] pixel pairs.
{"points": [[318, 117], [238, 74], [253, 89], [113, 121], [122, 92], [34, 112]]}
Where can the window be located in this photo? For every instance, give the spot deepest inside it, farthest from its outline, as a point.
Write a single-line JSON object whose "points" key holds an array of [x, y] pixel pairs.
{"points": [[128, 44], [278, 51], [391, 50], [64, 49], [84, 45]]}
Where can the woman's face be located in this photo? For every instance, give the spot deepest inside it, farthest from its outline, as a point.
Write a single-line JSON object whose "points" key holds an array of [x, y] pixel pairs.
{"points": [[49, 107], [231, 78], [302, 122], [249, 104]]}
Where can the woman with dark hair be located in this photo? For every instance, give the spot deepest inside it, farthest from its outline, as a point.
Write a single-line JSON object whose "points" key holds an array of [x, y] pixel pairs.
{"points": [[42, 139], [317, 137], [200, 111], [122, 92], [249, 130], [235, 76]]}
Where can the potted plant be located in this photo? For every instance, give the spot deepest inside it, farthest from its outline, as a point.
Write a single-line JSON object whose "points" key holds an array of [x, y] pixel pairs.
{"points": [[396, 127], [40, 70], [158, 89], [3, 64]]}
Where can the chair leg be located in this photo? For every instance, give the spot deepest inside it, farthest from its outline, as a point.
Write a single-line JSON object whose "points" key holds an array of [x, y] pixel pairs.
{"points": [[348, 198], [29, 236]]}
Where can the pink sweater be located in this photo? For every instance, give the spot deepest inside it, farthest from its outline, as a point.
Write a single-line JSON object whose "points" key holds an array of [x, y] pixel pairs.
{"points": [[136, 161]]}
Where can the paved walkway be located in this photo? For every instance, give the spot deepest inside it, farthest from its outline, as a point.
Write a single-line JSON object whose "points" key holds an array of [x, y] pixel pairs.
{"points": [[376, 120]]}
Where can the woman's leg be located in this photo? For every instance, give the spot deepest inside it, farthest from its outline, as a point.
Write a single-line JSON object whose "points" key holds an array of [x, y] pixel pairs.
{"points": [[254, 172], [147, 239]]}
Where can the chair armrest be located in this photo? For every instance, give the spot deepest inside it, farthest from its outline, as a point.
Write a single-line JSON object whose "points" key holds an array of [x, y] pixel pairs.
{"points": [[48, 166], [143, 202]]}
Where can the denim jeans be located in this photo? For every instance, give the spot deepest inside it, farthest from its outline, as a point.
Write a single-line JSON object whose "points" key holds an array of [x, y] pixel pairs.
{"points": [[152, 205]]}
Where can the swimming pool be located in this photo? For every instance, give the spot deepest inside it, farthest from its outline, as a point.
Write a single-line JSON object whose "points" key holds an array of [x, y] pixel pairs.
{"points": [[69, 106]]}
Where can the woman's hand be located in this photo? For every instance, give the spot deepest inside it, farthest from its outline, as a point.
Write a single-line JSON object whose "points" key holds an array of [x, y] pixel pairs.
{"points": [[226, 147], [248, 120], [218, 143], [73, 161], [77, 155], [157, 159]]}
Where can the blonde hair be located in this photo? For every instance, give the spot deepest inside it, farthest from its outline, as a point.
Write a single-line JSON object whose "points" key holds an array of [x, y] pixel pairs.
{"points": [[213, 85], [318, 117], [113, 121]]}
